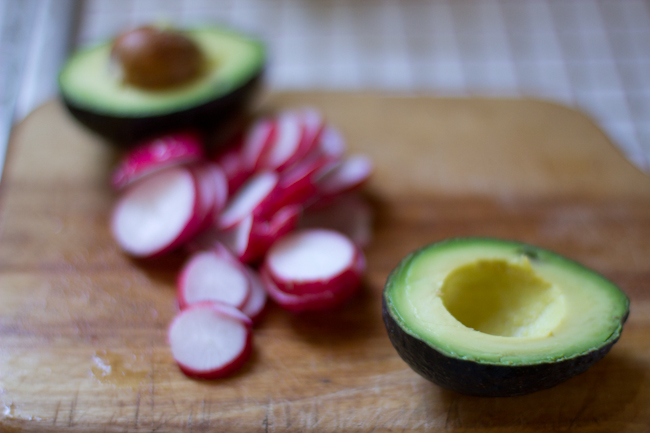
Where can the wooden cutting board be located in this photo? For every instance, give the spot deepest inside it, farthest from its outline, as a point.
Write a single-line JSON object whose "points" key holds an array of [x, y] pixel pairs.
{"points": [[83, 328]]}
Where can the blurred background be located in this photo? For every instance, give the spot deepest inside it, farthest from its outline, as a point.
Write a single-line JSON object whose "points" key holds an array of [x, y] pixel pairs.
{"points": [[590, 54]]}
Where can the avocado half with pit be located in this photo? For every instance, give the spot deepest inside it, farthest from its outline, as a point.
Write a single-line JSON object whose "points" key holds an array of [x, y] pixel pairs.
{"points": [[231, 75], [489, 317]]}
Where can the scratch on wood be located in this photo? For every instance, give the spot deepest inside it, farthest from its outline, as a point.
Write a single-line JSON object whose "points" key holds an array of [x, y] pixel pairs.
{"points": [[56, 412], [207, 412], [189, 419], [589, 397], [137, 411], [453, 415], [153, 388], [287, 415], [73, 406]]}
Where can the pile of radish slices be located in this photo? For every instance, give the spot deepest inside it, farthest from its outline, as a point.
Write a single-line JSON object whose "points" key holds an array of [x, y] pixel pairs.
{"points": [[275, 214]]}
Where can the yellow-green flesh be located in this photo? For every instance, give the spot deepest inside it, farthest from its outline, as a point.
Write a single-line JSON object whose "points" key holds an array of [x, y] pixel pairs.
{"points": [[88, 81], [485, 300]]}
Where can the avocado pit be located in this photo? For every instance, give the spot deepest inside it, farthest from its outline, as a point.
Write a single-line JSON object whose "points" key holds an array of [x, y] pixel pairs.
{"points": [[157, 59]]}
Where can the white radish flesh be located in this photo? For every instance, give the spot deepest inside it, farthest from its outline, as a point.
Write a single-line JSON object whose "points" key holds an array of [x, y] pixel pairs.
{"points": [[250, 238], [311, 255], [331, 143], [158, 213], [314, 125], [209, 277], [256, 143], [285, 149], [348, 175], [334, 296], [155, 155], [314, 261], [256, 197], [257, 300], [210, 340], [233, 167]]}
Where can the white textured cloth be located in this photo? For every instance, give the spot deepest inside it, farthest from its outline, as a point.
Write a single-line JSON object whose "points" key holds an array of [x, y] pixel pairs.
{"points": [[591, 54]]}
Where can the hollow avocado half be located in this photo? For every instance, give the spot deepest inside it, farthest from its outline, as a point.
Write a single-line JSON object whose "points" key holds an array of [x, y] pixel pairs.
{"points": [[499, 318], [102, 101]]}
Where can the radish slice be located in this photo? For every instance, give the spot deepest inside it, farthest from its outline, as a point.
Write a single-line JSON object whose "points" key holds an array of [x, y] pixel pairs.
{"points": [[209, 277], [213, 191], [251, 238], [158, 214], [233, 167], [323, 300], [210, 340], [314, 125], [157, 154], [256, 143], [288, 145], [257, 301], [332, 143], [348, 175], [257, 197], [312, 262], [348, 214], [298, 184]]}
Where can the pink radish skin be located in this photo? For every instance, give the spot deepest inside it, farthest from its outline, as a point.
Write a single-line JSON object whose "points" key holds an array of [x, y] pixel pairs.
{"points": [[210, 340], [232, 164], [331, 143], [256, 143], [348, 214], [288, 145], [251, 238], [254, 308], [258, 197], [207, 276], [213, 191], [314, 261], [314, 125], [154, 155], [325, 300], [347, 176], [158, 213], [298, 184]]}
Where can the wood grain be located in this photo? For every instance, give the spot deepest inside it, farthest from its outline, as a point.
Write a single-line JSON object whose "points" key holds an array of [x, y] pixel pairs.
{"points": [[83, 328]]}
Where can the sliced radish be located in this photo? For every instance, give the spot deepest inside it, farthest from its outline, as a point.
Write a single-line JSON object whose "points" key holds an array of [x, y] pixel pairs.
{"points": [[213, 191], [209, 277], [314, 125], [256, 143], [257, 197], [348, 175], [314, 261], [331, 143], [233, 166], [251, 238], [288, 146], [298, 184], [154, 155], [210, 340], [158, 214], [257, 300], [348, 214], [322, 300]]}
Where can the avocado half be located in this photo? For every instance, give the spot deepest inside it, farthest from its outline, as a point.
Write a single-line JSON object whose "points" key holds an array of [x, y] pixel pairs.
{"points": [[98, 98], [498, 318]]}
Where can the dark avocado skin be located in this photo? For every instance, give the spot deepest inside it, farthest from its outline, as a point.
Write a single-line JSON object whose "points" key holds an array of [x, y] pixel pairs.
{"points": [[485, 380], [126, 131]]}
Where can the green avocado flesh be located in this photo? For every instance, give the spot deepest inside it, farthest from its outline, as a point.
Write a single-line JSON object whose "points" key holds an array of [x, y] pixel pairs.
{"points": [[89, 82], [503, 303]]}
